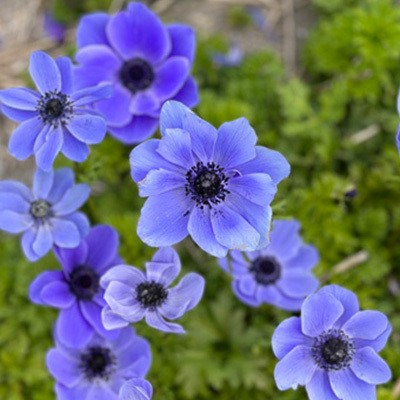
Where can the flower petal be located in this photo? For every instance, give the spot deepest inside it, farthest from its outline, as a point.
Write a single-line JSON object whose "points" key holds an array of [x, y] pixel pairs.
{"points": [[160, 181], [14, 202], [131, 276], [103, 243], [27, 240], [136, 389], [377, 344], [306, 258], [91, 95], [92, 29], [64, 369], [366, 324], [64, 65], [163, 220], [267, 161], [299, 284], [144, 102], [42, 183], [71, 258], [47, 152], [81, 222], [40, 282], [287, 336], [44, 72], [140, 128], [155, 320], [319, 312], [183, 40], [13, 222], [170, 77], [74, 149], [65, 233], [23, 138], [159, 267], [188, 94], [183, 297], [17, 115], [63, 180], [72, 330], [235, 143], [201, 231], [20, 99], [74, 198], [245, 290], [233, 231], [111, 320], [295, 368], [57, 294], [347, 386], [15, 187], [139, 33], [319, 387], [87, 128], [370, 367], [43, 241]]}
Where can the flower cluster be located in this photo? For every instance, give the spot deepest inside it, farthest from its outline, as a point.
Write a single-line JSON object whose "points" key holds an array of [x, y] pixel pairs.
{"points": [[213, 184]]}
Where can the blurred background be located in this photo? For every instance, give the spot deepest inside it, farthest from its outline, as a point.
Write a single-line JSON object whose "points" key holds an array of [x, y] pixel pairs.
{"points": [[318, 80]]}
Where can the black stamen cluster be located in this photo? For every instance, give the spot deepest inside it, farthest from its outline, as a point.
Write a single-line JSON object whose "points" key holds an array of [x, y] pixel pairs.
{"points": [[266, 270], [40, 210], [136, 74], [97, 363], [55, 108], [84, 282], [151, 294], [206, 184], [333, 350]]}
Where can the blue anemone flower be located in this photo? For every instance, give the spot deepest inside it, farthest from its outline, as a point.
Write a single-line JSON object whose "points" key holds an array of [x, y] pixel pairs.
{"points": [[146, 62], [46, 214], [215, 185], [136, 389], [132, 295], [55, 119], [332, 348], [76, 289], [98, 370], [280, 274]]}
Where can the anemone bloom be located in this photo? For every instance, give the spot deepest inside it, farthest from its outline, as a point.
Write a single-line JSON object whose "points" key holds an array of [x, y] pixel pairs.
{"points": [[76, 289], [132, 295], [55, 119], [332, 348], [215, 185], [47, 215], [136, 389], [280, 274], [98, 370], [146, 62]]}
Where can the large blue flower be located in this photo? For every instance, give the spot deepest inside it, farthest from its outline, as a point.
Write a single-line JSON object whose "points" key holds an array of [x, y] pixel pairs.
{"points": [[98, 370], [55, 119], [215, 185], [132, 295], [136, 389], [147, 63], [332, 348], [280, 274], [76, 289], [46, 214]]}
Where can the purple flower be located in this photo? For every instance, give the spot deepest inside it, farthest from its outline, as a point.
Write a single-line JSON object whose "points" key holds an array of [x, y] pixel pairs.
{"points": [[147, 63], [76, 289], [215, 185], [332, 348], [132, 295], [56, 119], [98, 370], [136, 389], [46, 214], [280, 274], [232, 58], [54, 28]]}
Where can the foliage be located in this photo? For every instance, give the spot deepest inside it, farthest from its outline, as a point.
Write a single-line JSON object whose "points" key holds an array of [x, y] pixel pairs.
{"points": [[351, 63]]}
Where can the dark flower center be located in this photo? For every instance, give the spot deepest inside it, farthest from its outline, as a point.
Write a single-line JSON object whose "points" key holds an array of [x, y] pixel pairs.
{"points": [[333, 350], [136, 74], [55, 108], [206, 184], [40, 210], [151, 294], [84, 282], [266, 270], [97, 363]]}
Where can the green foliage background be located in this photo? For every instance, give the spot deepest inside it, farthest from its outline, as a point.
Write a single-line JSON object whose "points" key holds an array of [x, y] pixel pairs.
{"points": [[351, 64]]}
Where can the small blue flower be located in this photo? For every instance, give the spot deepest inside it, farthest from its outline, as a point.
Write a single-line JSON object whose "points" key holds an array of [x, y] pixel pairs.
{"points": [[98, 370], [76, 289], [136, 389], [232, 58], [55, 119], [332, 348], [146, 62], [132, 295], [46, 214], [280, 274], [54, 28], [215, 185]]}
